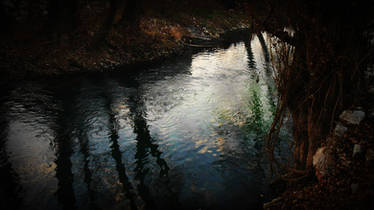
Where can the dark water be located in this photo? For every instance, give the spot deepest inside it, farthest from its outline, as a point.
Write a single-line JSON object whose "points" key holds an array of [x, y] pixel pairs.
{"points": [[185, 135]]}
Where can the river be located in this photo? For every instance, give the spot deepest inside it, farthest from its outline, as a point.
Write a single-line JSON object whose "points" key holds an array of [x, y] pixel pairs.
{"points": [[187, 134]]}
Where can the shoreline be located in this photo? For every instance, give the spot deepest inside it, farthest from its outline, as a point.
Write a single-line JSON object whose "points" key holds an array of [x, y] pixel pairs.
{"points": [[156, 40], [198, 45]]}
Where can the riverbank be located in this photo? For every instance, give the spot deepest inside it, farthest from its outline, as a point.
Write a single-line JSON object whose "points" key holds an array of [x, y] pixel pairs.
{"points": [[173, 137], [155, 38], [340, 175]]}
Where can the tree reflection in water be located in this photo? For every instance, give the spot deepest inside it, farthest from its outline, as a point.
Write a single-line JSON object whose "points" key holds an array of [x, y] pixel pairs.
{"points": [[9, 181], [145, 145], [131, 141], [65, 193], [127, 187]]}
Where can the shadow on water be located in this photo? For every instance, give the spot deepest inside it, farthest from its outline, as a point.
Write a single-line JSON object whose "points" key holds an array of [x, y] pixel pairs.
{"points": [[84, 149], [251, 61], [9, 182], [65, 193], [145, 145], [267, 66], [264, 47], [127, 187], [75, 126]]}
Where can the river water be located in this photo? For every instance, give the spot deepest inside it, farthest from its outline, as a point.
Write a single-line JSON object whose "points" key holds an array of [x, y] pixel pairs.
{"points": [[187, 134]]}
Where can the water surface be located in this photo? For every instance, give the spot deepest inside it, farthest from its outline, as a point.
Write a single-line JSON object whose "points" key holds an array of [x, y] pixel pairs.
{"points": [[184, 135]]}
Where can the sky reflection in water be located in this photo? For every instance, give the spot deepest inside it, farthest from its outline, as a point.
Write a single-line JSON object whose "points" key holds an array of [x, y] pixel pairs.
{"points": [[186, 134]]}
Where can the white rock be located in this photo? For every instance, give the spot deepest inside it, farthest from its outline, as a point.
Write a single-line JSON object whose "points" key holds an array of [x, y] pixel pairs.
{"points": [[323, 162], [356, 150], [340, 129], [352, 117]]}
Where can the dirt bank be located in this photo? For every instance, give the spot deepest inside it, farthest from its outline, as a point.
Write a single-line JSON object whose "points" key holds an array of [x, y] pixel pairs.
{"points": [[33, 52]]}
